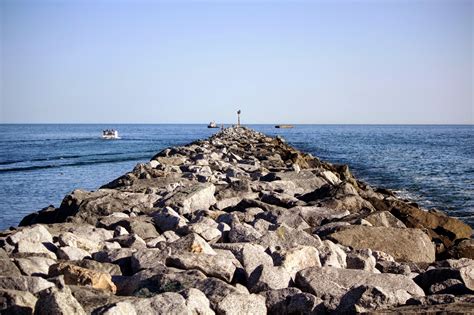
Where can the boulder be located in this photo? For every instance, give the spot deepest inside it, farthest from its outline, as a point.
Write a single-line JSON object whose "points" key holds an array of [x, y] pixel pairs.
{"points": [[24, 283], [192, 198], [332, 255], [164, 303], [71, 240], [33, 234], [331, 284], [411, 245], [34, 265], [464, 248], [265, 278], [440, 226], [119, 308], [449, 280], [384, 218], [366, 298], [167, 219], [238, 303], [196, 302], [34, 248], [361, 259], [292, 301], [299, 258], [314, 216], [286, 237], [8, 268], [216, 290], [72, 253], [16, 302], [58, 302], [211, 265]]}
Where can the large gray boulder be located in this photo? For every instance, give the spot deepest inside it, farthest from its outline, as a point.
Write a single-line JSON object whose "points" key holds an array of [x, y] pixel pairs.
{"points": [[165, 303], [58, 302], [34, 234], [212, 265], [25, 283], [239, 303], [291, 301], [406, 245], [192, 198], [286, 237], [16, 302], [331, 284]]}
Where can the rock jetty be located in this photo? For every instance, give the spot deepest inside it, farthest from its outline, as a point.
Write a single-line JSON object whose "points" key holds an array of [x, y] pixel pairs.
{"points": [[240, 223]]}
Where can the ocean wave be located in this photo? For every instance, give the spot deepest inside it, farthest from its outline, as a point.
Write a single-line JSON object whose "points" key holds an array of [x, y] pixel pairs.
{"points": [[80, 163], [69, 157]]}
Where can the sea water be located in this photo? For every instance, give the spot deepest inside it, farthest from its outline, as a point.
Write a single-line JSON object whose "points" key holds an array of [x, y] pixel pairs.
{"points": [[432, 165]]}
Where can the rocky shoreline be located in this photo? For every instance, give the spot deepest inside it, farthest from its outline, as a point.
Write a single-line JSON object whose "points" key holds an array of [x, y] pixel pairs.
{"points": [[240, 223]]}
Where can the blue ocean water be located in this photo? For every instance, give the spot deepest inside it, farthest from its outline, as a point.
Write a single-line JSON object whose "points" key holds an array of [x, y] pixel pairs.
{"points": [[40, 164]]}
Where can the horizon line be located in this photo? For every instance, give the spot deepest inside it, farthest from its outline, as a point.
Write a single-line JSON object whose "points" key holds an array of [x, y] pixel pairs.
{"points": [[233, 124]]}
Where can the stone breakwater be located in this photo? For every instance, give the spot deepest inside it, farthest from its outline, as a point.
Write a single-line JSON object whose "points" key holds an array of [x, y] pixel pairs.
{"points": [[240, 223]]}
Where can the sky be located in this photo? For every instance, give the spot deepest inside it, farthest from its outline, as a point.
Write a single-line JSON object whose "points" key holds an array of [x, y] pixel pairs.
{"points": [[308, 62]]}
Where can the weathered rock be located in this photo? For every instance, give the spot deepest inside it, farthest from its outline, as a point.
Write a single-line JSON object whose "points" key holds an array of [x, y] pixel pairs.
{"points": [[167, 219], [403, 244], [92, 299], [71, 240], [384, 218], [33, 234], [439, 225], [24, 283], [34, 266], [8, 268], [33, 248], [299, 258], [286, 237], [265, 278], [440, 280], [368, 298], [216, 290], [130, 241], [331, 284], [361, 259], [81, 276], [164, 303], [292, 301], [314, 216], [119, 308], [16, 302], [238, 303], [212, 265], [465, 248], [189, 199], [243, 232], [58, 302], [197, 302], [332, 255], [72, 253]]}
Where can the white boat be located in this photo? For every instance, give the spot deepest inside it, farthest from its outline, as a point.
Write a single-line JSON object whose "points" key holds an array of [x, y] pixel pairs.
{"points": [[212, 124], [110, 134]]}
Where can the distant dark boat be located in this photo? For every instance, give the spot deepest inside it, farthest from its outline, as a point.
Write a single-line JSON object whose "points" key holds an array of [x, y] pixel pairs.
{"points": [[212, 124], [110, 134], [284, 126]]}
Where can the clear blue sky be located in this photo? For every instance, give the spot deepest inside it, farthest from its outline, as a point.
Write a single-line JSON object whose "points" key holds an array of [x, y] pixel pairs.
{"points": [[278, 61]]}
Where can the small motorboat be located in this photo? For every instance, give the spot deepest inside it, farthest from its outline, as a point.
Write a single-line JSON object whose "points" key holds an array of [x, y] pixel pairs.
{"points": [[212, 124], [284, 126], [110, 134]]}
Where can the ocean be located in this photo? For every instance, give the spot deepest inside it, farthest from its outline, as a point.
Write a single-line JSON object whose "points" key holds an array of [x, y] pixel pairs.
{"points": [[432, 165]]}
